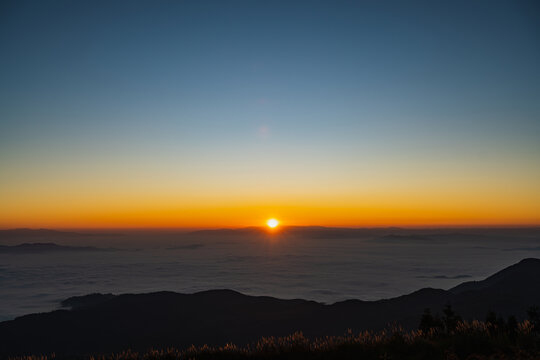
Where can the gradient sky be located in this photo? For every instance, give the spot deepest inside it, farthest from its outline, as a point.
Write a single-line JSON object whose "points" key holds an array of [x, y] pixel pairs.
{"points": [[225, 113]]}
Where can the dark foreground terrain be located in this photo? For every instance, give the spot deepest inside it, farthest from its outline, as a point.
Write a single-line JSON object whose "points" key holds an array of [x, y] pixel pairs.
{"points": [[101, 324], [467, 340]]}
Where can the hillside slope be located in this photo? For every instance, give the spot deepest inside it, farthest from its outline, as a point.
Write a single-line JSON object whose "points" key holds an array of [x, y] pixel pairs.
{"points": [[155, 320]]}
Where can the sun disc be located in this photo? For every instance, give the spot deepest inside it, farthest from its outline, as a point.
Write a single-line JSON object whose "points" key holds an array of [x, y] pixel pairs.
{"points": [[272, 223]]}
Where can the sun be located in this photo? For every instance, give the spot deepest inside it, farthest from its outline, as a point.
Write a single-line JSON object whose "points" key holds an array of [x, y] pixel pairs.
{"points": [[272, 223]]}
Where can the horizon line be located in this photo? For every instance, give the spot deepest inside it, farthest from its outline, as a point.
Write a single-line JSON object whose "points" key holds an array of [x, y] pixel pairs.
{"points": [[357, 227]]}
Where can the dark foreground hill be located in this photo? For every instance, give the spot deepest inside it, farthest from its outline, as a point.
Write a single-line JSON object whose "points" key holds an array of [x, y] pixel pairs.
{"points": [[102, 324]]}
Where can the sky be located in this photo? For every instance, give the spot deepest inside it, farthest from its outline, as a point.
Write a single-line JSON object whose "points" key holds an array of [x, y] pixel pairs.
{"points": [[225, 113]]}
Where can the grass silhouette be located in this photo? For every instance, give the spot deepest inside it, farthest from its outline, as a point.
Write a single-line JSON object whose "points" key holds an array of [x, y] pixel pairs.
{"points": [[466, 340]]}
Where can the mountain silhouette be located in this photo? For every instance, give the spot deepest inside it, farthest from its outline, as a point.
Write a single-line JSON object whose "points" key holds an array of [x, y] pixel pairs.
{"points": [[107, 323], [47, 233], [380, 234], [30, 248]]}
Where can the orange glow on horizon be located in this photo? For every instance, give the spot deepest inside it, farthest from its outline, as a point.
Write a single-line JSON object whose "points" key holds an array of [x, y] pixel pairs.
{"points": [[47, 204], [242, 216]]}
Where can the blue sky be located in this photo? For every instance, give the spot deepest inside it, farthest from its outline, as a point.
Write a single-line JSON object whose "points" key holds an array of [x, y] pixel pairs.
{"points": [[216, 86]]}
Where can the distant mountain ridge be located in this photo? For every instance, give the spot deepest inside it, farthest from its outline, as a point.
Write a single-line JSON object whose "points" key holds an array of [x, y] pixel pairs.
{"points": [[27, 232], [28, 248], [382, 233], [106, 323], [13, 236]]}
